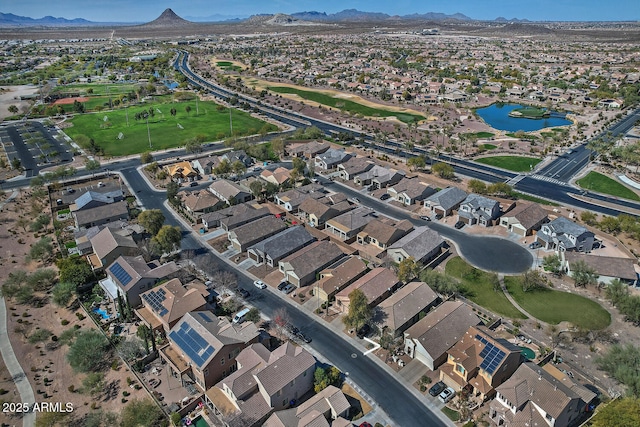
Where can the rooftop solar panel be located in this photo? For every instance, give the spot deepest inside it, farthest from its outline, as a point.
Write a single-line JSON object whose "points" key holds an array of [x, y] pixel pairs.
{"points": [[192, 344], [120, 274], [205, 317]]}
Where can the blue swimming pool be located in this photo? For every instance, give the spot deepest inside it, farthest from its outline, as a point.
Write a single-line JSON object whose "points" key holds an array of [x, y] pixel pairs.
{"points": [[102, 313]]}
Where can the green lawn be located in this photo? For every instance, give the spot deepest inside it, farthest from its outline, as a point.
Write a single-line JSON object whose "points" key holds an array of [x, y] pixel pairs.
{"points": [[164, 129], [603, 184], [451, 414], [347, 105], [476, 285], [489, 146], [479, 134], [227, 65], [512, 163], [553, 306]]}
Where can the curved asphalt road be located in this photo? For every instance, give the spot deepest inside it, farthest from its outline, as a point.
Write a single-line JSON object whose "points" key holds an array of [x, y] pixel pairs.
{"points": [[403, 407]]}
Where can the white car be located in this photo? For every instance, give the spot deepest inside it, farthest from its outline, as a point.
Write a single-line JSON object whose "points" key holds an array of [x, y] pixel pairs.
{"points": [[260, 284], [446, 395]]}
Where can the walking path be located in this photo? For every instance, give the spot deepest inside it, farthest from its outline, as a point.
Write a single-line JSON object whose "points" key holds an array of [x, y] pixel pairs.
{"points": [[511, 300], [14, 368]]}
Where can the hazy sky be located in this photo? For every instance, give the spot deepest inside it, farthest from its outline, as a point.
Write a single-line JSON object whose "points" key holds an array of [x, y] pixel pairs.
{"points": [[146, 10]]}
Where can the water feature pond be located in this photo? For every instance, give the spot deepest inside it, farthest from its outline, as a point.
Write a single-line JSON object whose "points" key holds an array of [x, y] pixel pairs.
{"points": [[497, 116]]}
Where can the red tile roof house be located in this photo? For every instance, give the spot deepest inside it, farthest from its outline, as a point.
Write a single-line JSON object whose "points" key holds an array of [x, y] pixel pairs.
{"points": [[328, 408], [404, 308], [376, 285], [249, 234], [164, 305], [301, 267], [430, 338], [130, 276], [203, 348], [535, 397], [264, 382], [480, 362]]}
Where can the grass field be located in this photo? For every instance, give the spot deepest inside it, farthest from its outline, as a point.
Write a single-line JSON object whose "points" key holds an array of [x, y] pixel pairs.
{"points": [[531, 112], [478, 287], [226, 65], [489, 146], [600, 183], [554, 307], [512, 163], [479, 134], [347, 105], [164, 129]]}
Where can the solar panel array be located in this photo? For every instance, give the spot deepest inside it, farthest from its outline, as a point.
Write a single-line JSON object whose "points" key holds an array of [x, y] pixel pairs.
{"points": [[491, 356], [155, 300], [192, 344], [120, 274]]}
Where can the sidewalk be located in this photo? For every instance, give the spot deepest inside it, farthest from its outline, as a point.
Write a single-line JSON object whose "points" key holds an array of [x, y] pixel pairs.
{"points": [[336, 326], [14, 368], [511, 300]]}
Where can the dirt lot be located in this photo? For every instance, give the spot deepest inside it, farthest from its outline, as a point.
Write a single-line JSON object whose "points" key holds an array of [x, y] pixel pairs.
{"points": [[10, 95], [44, 360]]}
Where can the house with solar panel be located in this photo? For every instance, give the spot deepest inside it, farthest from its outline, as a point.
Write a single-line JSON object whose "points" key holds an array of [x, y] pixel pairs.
{"points": [[131, 276], [164, 305], [203, 348], [479, 363]]}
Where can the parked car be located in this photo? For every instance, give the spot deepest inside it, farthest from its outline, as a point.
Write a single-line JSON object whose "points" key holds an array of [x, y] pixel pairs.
{"points": [[459, 225], [193, 184], [292, 329], [385, 196], [260, 284], [303, 337], [425, 218], [244, 293], [437, 388], [282, 285], [446, 395], [354, 200], [438, 217], [534, 245], [288, 289], [364, 331]]}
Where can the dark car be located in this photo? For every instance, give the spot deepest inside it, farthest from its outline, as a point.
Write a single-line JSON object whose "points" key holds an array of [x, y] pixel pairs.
{"points": [[303, 337], [244, 293], [438, 216], [437, 388], [193, 184], [385, 196], [282, 285], [534, 245], [459, 225], [364, 331]]}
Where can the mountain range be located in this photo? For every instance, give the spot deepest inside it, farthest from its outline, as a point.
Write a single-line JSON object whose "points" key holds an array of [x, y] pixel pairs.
{"points": [[9, 19]]}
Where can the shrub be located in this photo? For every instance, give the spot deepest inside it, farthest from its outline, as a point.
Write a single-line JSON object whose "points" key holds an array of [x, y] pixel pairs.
{"points": [[71, 388], [39, 336], [64, 322]]}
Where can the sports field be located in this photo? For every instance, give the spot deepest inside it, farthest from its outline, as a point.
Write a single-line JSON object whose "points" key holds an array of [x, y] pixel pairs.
{"points": [[118, 137]]}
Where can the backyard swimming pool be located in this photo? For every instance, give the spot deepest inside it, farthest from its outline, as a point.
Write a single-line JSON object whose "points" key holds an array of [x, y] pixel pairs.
{"points": [[102, 313]]}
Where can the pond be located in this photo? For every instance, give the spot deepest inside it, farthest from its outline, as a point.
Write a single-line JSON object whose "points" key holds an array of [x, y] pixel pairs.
{"points": [[497, 116]]}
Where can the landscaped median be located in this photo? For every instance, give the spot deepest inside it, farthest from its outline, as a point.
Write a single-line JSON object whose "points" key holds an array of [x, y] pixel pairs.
{"points": [[481, 288], [512, 163], [600, 183], [551, 306]]}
